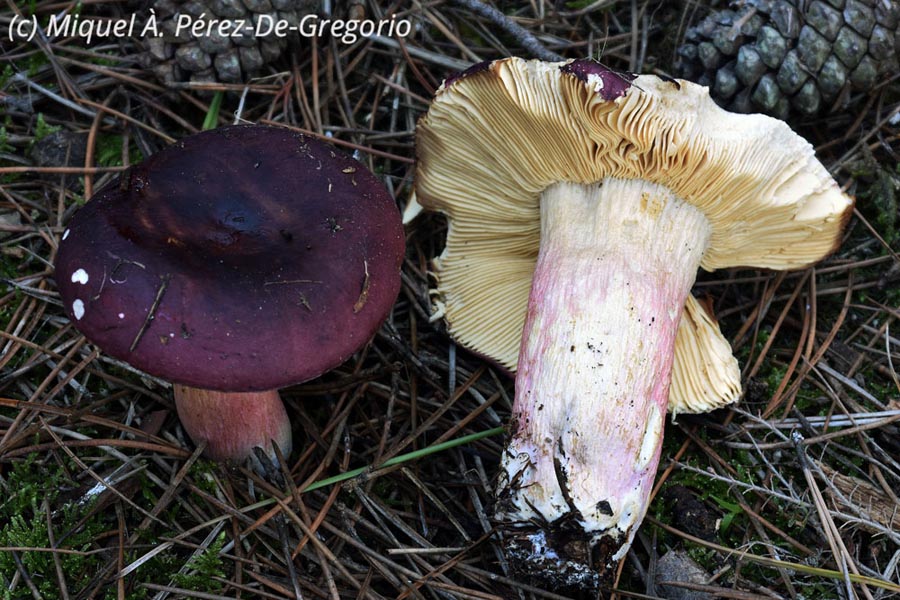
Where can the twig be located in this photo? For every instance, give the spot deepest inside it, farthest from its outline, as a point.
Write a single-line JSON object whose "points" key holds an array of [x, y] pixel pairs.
{"points": [[22, 78], [519, 33], [151, 314], [832, 534]]}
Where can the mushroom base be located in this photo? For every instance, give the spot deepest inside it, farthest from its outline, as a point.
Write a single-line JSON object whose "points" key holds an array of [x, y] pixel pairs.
{"points": [[233, 424], [616, 263]]}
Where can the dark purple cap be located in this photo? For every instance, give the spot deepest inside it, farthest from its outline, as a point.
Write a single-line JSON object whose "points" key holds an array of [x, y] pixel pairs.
{"points": [[242, 258], [479, 67], [614, 83]]}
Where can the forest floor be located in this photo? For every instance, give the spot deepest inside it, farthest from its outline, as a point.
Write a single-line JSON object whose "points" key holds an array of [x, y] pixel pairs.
{"points": [[791, 493]]}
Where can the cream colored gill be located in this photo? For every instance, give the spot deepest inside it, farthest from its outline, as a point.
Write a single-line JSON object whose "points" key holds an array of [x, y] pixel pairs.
{"points": [[493, 141]]}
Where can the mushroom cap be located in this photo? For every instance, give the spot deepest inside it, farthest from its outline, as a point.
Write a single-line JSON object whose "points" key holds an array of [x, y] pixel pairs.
{"points": [[496, 137], [239, 259]]}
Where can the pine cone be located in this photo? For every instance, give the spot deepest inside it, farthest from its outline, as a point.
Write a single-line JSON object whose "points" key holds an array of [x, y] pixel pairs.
{"points": [[784, 56], [178, 56]]}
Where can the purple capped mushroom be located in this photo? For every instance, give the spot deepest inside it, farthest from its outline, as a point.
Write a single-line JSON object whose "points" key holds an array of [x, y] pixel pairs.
{"points": [[233, 263]]}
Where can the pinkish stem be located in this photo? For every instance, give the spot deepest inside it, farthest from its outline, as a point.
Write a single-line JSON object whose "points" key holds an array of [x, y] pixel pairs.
{"points": [[232, 424], [616, 263]]}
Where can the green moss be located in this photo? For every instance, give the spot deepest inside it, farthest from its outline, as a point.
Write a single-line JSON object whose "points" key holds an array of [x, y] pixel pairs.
{"points": [[882, 194], [876, 195], [42, 129], [774, 376], [30, 487], [201, 472], [34, 483], [6, 147], [703, 556], [6, 74], [109, 151], [104, 59], [36, 62], [4, 141], [883, 391], [203, 568], [580, 4], [158, 569]]}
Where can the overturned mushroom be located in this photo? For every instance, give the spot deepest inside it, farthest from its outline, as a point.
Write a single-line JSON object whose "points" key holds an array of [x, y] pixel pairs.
{"points": [[233, 263], [581, 203]]}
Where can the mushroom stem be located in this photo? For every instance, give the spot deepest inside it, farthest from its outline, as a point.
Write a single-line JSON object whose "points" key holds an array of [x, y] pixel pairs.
{"points": [[617, 260], [232, 423]]}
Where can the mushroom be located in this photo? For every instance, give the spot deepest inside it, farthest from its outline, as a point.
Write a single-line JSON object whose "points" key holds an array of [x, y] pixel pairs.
{"points": [[580, 204], [233, 263]]}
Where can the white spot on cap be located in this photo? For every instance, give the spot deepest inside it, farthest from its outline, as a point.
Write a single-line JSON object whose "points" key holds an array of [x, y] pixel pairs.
{"points": [[78, 308], [121, 315], [65, 234], [80, 276]]}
